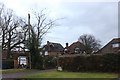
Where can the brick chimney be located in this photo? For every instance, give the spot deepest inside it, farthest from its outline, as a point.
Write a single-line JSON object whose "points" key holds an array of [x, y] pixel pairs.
{"points": [[48, 45], [66, 45], [66, 48]]}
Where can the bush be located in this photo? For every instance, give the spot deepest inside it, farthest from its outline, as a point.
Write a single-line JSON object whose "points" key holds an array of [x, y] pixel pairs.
{"points": [[50, 62], [111, 62], [101, 63], [7, 64]]}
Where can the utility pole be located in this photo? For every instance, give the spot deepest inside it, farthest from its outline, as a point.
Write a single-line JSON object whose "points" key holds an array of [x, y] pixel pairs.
{"points": [[29, 28], [29, 24]]}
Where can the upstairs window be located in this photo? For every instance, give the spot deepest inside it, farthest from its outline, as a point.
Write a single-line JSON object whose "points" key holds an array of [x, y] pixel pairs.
{"points": [[77, 50], [46, 53], [66, 51], [115, 45]]}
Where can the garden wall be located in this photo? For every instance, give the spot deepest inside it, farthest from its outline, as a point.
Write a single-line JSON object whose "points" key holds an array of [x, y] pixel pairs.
{"points": [[99, 63]]}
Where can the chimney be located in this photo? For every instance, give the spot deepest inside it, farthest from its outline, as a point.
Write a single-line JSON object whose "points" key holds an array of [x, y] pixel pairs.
{"points": [[66, 45], [48, 45], [48, 42]]}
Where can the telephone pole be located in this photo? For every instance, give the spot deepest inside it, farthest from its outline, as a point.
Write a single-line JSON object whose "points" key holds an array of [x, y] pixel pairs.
{"points": [[29, 29], [29, 24]]}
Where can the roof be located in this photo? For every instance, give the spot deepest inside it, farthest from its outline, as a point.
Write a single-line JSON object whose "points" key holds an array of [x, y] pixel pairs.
{"points": [[76, 45], [55, 47], [116, 40], [113, 41]]}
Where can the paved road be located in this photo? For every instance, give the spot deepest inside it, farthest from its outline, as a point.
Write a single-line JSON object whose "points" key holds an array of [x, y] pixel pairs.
{"points": [[22, 74]]}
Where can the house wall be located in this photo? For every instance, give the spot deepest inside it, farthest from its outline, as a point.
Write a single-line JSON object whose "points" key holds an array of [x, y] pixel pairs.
{"points": [[15, 55], [74, 45], [16, 63], [109, 49], [54, 53]]}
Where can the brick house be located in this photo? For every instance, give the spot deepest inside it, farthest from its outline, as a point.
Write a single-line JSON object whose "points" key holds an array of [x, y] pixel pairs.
{"points": [[19, 58], [76, 47], [52, 49], [111, 47]]}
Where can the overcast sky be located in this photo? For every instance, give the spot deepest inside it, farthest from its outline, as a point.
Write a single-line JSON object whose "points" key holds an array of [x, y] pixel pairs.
{"points": [[89, 17]]}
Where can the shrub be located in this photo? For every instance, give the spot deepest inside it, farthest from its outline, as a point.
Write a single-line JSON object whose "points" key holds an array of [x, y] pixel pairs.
{"points": [[111, 62], [7, 64], [102, 63], [50, 62]]}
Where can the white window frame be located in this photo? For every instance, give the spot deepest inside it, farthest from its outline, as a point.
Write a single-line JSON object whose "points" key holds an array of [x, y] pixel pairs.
{"points": [[115, 45], [22, 60], [46, 53]]}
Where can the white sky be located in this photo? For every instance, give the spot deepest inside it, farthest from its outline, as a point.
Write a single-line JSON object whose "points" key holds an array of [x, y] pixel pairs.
{"points": [[96, 17]]}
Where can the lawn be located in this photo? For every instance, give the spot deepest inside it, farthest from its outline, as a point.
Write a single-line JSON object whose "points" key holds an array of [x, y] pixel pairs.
{"points": [[57, 74]]}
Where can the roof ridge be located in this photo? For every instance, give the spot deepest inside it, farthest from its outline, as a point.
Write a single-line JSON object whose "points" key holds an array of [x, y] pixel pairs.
{"points": [[116, 38]]}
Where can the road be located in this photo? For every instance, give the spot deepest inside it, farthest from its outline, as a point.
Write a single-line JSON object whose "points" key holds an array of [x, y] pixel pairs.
{"points": [[23, 74]]}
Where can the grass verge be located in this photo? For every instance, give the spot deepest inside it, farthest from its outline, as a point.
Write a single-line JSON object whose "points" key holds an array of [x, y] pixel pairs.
{"points": [[57, 74]]}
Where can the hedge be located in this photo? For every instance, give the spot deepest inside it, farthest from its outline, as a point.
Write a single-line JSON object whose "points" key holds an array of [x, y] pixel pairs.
{"points": [[7, 64], [50, 62], [99, 63]]}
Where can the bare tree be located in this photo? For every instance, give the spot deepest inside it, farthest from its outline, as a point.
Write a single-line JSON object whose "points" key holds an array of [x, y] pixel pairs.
{"points": [[38, 30], [91, 44], [42, 25], [12, 28]]}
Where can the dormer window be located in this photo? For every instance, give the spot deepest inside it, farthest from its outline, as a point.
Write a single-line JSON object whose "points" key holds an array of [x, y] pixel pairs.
{"points": [[115, 45]]}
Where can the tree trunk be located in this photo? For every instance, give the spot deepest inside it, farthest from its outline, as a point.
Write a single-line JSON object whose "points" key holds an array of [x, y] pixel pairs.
{"points": [[9, 50], [3, 40]]}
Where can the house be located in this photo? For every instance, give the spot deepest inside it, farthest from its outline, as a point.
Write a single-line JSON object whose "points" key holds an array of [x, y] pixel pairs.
{"points": [[111, 47], [74, 48], [19, 58], [52, 49]]}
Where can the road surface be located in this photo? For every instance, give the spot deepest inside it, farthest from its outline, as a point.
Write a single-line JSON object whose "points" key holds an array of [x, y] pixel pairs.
{"points": [[23, 74]]}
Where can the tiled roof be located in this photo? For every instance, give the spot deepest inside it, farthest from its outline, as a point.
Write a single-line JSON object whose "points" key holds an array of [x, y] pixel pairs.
{"points": [[55, 47], [116, 40], [76, 45], [108, 47]]}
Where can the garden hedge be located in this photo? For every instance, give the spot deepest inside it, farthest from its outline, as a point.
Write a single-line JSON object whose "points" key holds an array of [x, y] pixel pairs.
{"points": [[50, 62], [102, 63], [7, 64]]}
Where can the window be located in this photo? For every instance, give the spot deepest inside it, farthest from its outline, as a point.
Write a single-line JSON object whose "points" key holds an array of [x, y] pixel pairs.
{"points": [[115, 45], [65, 49], [46, 53], [22, 60], [76, 50]]}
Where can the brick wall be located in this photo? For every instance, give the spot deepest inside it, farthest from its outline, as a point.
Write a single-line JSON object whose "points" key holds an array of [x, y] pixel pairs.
{"points": [[108, 48], [54, 53]]}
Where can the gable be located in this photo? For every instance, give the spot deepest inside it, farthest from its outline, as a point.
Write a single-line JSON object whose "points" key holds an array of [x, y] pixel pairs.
{"points": [[111, 47], [76, 45]]}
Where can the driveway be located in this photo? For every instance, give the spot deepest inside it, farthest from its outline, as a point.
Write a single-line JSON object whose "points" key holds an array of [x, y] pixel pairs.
{"points": [[23, 74]]}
